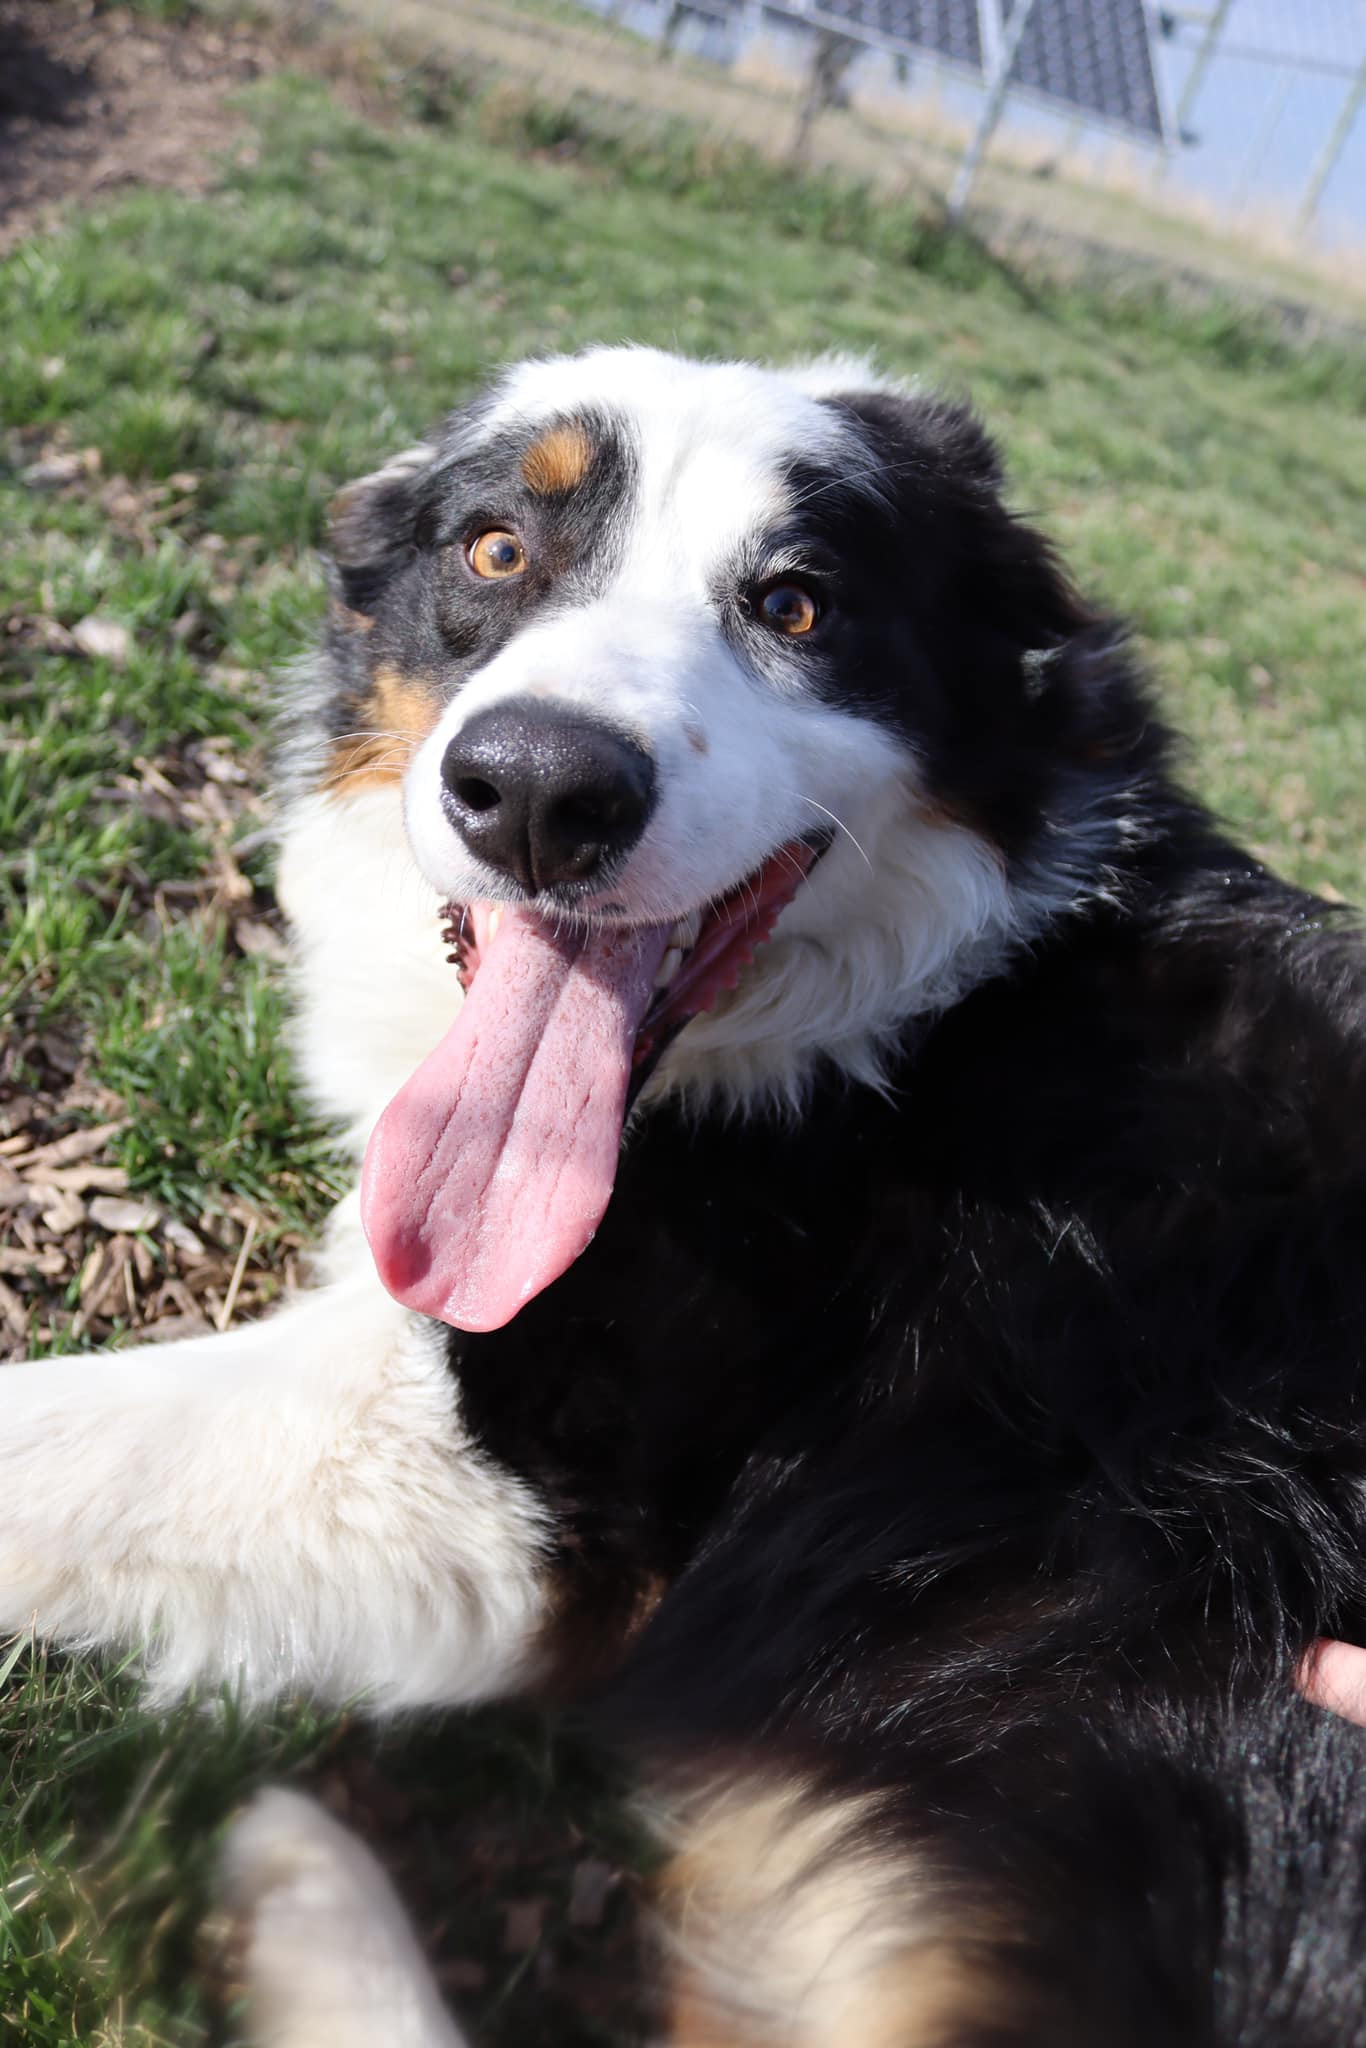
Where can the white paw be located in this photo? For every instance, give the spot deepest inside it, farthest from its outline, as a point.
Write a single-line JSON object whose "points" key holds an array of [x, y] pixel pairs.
{"points": [[328, 1958]]}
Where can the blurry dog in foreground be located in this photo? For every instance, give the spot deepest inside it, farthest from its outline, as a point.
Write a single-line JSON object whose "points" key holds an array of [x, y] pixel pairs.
{"points": [[858, 1273]]}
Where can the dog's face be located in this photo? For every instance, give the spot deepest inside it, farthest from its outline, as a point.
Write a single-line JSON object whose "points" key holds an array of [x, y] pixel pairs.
{"points": [[727, 703], [617, 546]]}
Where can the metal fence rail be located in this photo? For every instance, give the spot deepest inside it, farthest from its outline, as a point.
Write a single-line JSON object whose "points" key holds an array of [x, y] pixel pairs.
{"points": [[1051, 121]]}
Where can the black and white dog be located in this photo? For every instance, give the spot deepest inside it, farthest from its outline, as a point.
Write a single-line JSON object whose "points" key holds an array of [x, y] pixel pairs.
{"points": [[935, 1455]]}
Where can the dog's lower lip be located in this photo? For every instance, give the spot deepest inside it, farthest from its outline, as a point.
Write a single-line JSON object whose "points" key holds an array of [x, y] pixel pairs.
{"points": [[469, 927]]}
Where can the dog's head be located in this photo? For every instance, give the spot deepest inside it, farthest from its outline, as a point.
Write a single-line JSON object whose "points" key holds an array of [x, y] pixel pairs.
{"points": [[738, 722]]}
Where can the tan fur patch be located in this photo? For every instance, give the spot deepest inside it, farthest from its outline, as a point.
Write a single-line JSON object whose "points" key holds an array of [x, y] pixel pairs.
{"points": [[559, 461], [391, 724], [695, 2021], [796, 1926], [584, 1640], [349, 621], [926, 2001]]}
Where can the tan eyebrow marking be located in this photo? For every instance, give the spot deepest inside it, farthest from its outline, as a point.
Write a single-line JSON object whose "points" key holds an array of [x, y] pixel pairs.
{"points": [[558, 461]]}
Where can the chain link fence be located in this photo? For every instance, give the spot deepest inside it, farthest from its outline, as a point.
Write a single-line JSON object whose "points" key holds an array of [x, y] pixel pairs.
{"points": [[1185, 139]]}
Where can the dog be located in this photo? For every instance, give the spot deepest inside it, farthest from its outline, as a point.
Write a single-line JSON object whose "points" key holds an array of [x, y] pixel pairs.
{"points": [[857, 1274]]}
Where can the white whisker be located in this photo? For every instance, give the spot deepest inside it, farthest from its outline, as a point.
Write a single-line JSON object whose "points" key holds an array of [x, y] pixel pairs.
{"points": [[368, 732], [841, 825]]}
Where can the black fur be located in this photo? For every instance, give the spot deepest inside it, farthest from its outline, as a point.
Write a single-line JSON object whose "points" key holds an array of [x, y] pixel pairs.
{"points": [[1000, 1437], [1010, 1426], [1061, 1465]]}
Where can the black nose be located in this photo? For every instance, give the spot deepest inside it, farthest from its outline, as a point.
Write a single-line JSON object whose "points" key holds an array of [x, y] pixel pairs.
{"points": [[544, 795]]}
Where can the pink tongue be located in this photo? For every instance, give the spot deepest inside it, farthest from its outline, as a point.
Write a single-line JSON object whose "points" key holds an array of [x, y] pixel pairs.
{"points": [[490, 1170]]}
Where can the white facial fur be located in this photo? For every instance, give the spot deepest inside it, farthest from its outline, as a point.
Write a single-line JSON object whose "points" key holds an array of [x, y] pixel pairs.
{"points": [[654, 663], [742, 764]]}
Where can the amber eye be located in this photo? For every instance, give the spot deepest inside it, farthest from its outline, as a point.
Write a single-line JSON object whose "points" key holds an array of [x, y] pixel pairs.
{"points": [[496, 554], [787, 608]]}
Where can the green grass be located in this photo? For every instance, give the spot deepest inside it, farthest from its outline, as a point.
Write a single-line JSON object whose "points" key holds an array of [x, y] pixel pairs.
{"points": [[107, 1818], [276, 339]]}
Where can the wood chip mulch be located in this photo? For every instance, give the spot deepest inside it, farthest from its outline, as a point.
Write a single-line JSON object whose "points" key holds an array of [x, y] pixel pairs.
{"points": [[83, 1257]]}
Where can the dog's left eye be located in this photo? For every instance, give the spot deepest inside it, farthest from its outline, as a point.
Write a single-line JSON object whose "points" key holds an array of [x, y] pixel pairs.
{"points": [[788, 608], [496, 554]]}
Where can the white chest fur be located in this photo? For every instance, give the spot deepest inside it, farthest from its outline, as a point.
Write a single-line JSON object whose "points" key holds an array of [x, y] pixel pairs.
{"points": [[373, 989]]}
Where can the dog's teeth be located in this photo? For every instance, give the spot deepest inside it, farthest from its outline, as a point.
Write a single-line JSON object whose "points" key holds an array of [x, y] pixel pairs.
{"points": [[495, 919], [669, 966]]}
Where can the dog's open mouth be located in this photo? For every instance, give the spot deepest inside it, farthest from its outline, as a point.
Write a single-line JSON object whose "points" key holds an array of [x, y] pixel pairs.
{"points": [[489, 1172], [704, 954]]}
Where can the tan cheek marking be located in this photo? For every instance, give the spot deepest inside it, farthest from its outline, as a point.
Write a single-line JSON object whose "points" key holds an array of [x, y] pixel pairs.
{"points": [[559, 461], [697, 739], [391, 723]]}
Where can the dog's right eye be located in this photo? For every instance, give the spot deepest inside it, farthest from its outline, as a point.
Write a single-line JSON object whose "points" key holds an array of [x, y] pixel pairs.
{"points": [[789, 609], [496, 555]]}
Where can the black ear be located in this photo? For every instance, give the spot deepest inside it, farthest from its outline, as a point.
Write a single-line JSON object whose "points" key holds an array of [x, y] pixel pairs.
{"points": [[935, 435], [987, 575], [375, 524], [1010, 683]]}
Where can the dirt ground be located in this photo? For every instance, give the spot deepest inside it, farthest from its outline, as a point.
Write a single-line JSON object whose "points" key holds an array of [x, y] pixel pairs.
{"points": [[94, 98]]}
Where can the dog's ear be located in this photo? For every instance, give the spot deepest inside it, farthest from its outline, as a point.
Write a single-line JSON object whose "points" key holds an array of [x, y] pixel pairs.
{"points": [[374, 526], [944, 471], [935, 436], [1017, 679]]}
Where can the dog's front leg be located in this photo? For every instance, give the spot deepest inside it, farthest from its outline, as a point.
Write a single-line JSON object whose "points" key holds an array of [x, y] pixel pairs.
{"points": [[294, 1504]]}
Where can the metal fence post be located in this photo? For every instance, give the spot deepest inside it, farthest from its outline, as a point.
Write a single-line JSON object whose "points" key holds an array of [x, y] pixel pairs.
{"points": [[961, 189], [1332, 149], [1257, 155], [1200, 64]]}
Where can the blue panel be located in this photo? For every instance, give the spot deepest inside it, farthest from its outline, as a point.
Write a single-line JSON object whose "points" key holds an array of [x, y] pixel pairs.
{"points": [[947, 28], [1096, 57]]}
